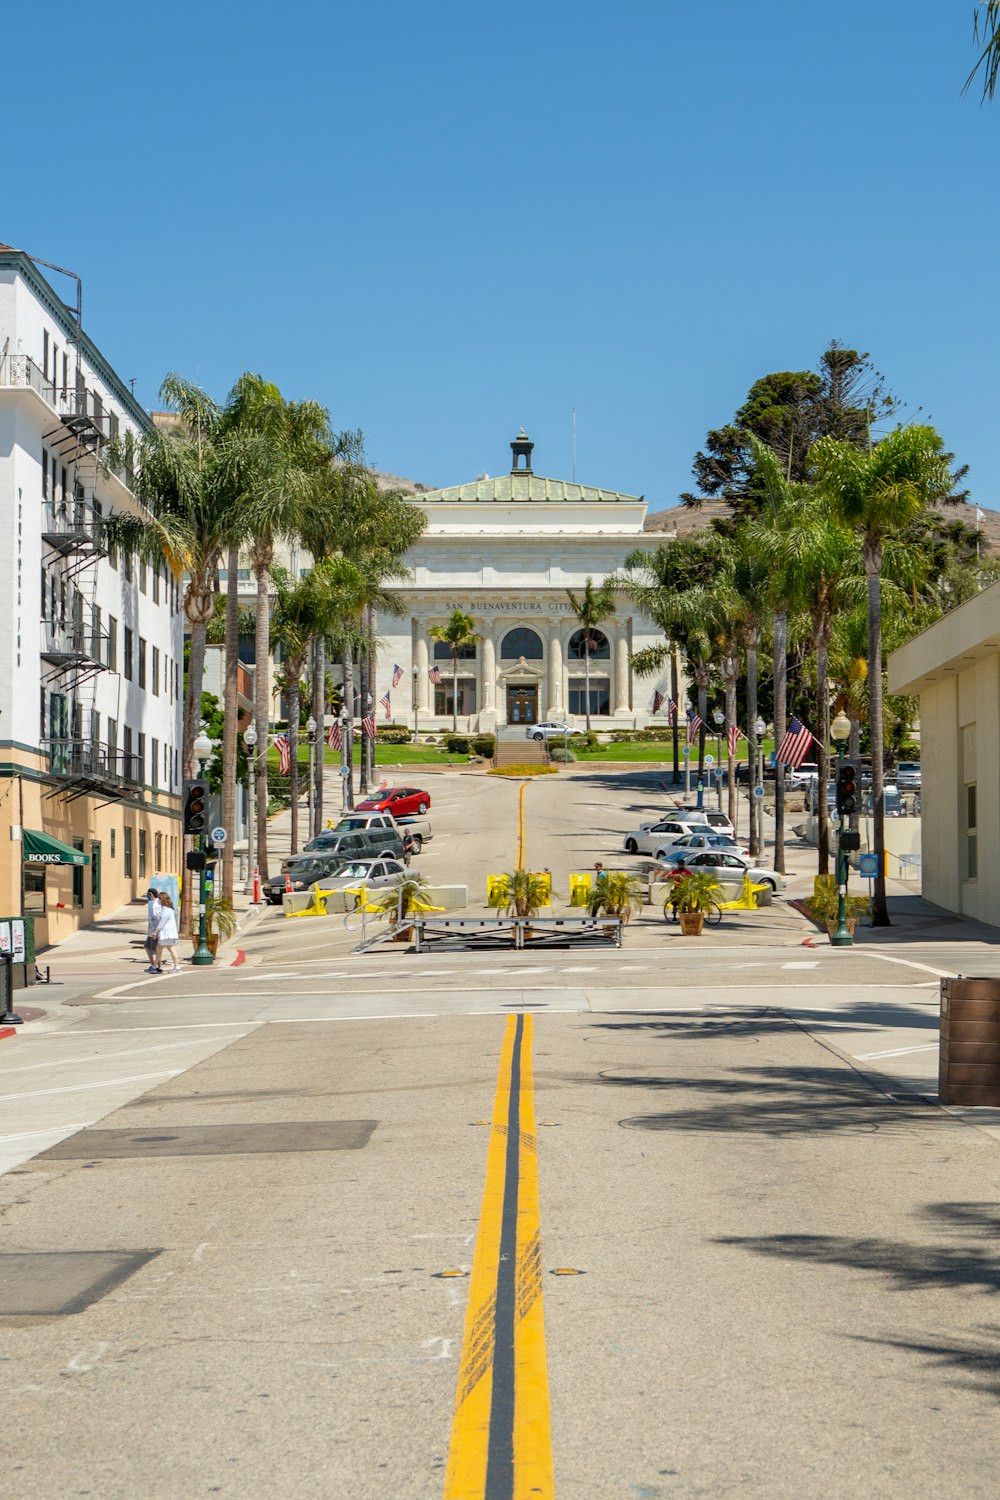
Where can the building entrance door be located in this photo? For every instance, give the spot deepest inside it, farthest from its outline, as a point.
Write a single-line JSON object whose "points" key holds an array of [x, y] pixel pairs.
{"points": [[522, 705]]}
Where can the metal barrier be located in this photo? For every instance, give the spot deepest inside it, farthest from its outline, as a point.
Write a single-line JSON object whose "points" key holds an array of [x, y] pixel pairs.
{"points": [[523, 932]]}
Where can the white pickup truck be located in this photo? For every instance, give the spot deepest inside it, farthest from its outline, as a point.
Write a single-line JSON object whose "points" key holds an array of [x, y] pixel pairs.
{"points": [[415, 832]]}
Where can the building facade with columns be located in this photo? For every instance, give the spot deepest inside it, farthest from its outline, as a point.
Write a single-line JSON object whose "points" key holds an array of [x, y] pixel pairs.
{"points": [[505, 551]]}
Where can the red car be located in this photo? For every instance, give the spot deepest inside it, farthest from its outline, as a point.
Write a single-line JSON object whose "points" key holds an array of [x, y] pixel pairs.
{"points": [[400, 801]]}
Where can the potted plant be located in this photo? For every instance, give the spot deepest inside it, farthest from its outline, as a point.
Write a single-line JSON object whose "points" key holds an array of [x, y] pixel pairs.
{"points": [[220, 921], [520, 893], [822, 905], [694, 892], [401, 901], [616, 894]]}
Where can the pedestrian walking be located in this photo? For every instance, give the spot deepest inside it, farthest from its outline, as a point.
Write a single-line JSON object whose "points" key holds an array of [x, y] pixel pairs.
{"points": [[153, 910], [167, 935]]}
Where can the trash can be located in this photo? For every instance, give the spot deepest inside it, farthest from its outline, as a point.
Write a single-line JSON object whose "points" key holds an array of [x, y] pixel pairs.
{"points": [[969, 1062]]}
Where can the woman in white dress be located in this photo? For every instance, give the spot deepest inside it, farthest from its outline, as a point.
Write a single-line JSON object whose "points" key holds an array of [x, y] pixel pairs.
{"points": [[167, 935]]}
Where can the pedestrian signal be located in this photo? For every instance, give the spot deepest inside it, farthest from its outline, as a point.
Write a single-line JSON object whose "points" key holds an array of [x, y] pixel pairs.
{"points": [[195, 807], [847, 790]]}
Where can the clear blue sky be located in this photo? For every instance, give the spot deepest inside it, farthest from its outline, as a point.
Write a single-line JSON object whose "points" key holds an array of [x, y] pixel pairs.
{"points": [[445, 220]]}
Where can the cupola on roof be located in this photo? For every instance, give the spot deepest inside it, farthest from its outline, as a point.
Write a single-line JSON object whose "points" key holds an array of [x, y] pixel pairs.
{"points": [[521, 448]]}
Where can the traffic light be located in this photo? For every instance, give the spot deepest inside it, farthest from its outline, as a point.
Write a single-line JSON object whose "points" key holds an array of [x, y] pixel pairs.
{"points": [[847, 789], [195, 807]]}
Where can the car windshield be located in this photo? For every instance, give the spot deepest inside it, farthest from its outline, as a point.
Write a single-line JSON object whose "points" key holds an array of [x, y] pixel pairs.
{"points": [[301, 867], [353, 871]]}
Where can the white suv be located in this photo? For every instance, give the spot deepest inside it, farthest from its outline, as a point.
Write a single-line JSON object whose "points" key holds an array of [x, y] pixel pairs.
{"points": [[550, 730]]}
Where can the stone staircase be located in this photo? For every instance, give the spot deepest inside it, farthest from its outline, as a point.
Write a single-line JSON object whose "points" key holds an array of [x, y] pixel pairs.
{"points": [[515, 749]]}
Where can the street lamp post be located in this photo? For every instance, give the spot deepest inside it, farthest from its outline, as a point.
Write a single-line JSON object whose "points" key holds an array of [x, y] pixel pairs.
{"points": [[250, 740], [758, 779], [416, 709], [345, 764], [720, 719], [202, 955], [840, 729], [311, 732]]}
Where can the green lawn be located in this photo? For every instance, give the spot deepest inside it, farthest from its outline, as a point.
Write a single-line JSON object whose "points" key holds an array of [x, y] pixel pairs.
{"points": [[385, 755]]}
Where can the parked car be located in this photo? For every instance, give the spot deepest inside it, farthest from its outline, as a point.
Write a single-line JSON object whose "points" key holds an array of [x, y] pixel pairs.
{"points": [[802, 775], [415, 832], [700, 817], [685, 846], [908, 777], [550, 730], [357, 843], [302, 872], [652, 837], [729, 869], [373, 873], [398, 800]]}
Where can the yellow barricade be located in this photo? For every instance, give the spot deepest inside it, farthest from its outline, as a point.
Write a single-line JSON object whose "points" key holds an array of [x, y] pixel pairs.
{"points": [[579, 889], [493, 881], [747, 901]]}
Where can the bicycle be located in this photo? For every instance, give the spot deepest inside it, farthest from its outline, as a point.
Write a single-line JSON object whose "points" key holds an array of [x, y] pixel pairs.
{"points": [[713, 912]]}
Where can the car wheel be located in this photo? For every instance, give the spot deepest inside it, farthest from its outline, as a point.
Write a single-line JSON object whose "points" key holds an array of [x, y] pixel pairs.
{"points": [[538, 737], [421, 808], [631, 847], [770, 885], [416, 844]]}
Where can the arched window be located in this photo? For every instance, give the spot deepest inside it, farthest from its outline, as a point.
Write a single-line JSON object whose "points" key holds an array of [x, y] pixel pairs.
{"points": [[521, 642], [600, 648]]}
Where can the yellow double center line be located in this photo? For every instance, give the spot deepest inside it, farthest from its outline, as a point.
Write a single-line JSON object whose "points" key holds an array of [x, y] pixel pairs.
{"points": [[501, 1440]]}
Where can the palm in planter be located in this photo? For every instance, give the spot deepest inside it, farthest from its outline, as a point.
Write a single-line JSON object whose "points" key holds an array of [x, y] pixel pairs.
{"points": [[520, 893], [694, 893], [401, 901], [617, 894], [822, 905], [220, 921]]}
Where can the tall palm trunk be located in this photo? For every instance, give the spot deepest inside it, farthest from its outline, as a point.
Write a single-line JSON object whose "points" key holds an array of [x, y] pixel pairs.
{"points": [[780, 725], [730, 671], [873, 565], [821, 642], [363, 676], [371, 630], [701, 679], [292, 687], [751, 642], [319, 714], [262, 699], [454, 689], [675, 697], [230, 719], [348, 664], [198, 608]]}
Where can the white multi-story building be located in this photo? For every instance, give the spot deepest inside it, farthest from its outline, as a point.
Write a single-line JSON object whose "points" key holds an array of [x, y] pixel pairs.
{"points": [[91, 644], [505, 551]]}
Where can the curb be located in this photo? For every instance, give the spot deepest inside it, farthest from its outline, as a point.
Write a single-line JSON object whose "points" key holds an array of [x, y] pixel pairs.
{"points": [[240, 958], [8, 1031]]}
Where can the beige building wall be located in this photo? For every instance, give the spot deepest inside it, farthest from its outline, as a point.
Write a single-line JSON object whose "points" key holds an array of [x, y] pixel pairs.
{"points": [[954, 668]]}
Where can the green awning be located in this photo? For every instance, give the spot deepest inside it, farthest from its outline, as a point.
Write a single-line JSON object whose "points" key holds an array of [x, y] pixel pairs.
{"points": [[43, 849]]}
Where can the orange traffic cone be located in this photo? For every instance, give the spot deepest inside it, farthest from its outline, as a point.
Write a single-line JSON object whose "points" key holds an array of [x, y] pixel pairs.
{"points": [[288, 881]]}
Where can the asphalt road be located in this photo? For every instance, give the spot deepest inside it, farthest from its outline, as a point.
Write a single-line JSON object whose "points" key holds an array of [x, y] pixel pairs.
{"points": [[679, 1219]]}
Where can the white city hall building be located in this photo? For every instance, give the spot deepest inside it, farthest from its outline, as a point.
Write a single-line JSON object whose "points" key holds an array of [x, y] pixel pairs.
{"points": [[505, 551], [91, 644]]}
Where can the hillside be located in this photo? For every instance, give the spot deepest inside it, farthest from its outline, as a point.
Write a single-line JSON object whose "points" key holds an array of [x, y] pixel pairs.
{"points": [[683, 520]]}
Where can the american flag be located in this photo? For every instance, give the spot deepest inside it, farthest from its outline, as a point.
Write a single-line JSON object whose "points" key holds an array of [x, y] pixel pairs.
{"points": [[386, 705], [657, 701], [284, 754], [695, 723], [434, 675], [671, 710], [733, 736], [333, 735], [368, 726], [795, 746], [397, 675]]}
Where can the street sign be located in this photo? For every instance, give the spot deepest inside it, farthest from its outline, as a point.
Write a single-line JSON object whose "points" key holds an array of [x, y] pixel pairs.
{"points": [[710, 760], [758, 791], [345, 770], [219, 835], [868, 866]]}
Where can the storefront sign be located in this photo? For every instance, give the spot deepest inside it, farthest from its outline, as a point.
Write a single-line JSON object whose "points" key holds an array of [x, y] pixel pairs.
{"points": [[17, 934], [5, 939], [501, 607]]}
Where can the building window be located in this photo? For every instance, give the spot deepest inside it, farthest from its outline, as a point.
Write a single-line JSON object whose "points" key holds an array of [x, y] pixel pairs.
{"points": [[157, 851], [971, 835], [521, 642], [113, 556], [442, 651], [45, 354], [156, 671], [142, 853], [114, 843], [141, 757], [142, 662], [45, 474], [113, 735], [127, 749], [128, 567], [112, 643], [78, 876], [127, 666], [128, 852], [95, 875], [34, 890], [600, 695], [600, 647], [443, 697], [143, 569], [166, 765], [156, 583]]}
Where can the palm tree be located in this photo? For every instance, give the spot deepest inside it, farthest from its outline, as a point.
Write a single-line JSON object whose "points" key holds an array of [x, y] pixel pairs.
{"points": [[986, 28], [877, 494], [750, 580], [590, 608], [293, 626], [459, 631]]}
